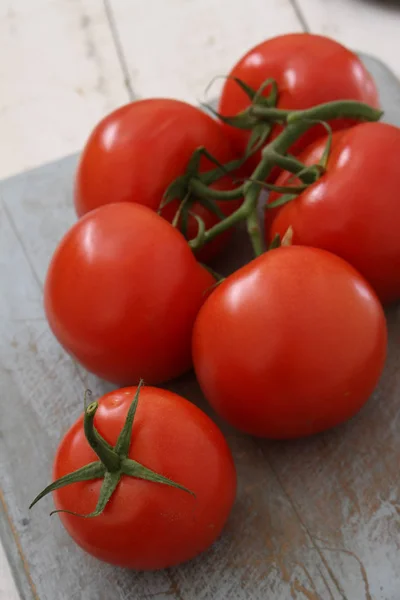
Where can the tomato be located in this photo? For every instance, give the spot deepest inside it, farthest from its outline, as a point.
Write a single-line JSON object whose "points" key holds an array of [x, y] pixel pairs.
{"points": [[122, 293], [138, 150], [309, 70], [148, 524], [310, 156], [353, 210], [291, 344]]}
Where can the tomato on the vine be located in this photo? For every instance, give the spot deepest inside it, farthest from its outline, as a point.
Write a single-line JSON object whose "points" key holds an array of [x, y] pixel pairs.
{"points": [[353, 210], [138, 150], [122, 293], [291, 344], [162, 490], [309, 70]]}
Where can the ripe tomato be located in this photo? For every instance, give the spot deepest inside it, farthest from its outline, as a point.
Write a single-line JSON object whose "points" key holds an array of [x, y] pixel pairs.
{"points": [[291, 344], [146, 524], [353, 210], [309, 70], [122, 293], [135, 153]]}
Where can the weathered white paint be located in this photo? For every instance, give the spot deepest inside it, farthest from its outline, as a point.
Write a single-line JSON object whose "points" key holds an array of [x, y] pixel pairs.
{"points": [[59, 74], [175, 48]]}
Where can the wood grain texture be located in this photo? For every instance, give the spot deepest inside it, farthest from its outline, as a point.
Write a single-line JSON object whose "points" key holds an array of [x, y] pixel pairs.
{"points": [[190, 41], [60, 71], [43, 385], [315, 519], [59, 74]]}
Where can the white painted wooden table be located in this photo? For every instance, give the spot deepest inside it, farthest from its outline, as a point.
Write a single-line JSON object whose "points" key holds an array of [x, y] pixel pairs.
{"points": [[65, 63]]}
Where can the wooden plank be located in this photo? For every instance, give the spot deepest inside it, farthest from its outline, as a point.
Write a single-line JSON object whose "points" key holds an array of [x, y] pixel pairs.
{"points": [[44, 393], [41, 87], [263, 548], [344, 485], [314, 519], [370, 26], [59, 74], [188, 43]]}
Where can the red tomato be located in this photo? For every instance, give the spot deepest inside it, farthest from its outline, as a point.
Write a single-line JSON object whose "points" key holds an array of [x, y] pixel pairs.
{"points": [[353, 210], [309, 70], [150, 525], [122, 293], [135, 153], [312, 155], [291, 344]]}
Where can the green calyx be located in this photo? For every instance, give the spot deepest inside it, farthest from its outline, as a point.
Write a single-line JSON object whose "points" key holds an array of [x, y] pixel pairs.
{"points": [[112, 465]]}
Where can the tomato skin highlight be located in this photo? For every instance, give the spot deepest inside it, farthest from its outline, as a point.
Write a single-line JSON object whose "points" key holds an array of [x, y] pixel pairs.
{"points": [[309, 70], [148, 525], [291, 344], [122, 293], [138, 150], [353, 210]]}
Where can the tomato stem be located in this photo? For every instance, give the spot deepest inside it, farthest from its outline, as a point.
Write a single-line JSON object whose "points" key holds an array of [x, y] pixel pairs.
{"points": [[298, 122], [283, 199], [252, 189], [323, 112], [282, 189], [265, 113], [254, 231], [346, 109], [201, 190], [289, 163]]}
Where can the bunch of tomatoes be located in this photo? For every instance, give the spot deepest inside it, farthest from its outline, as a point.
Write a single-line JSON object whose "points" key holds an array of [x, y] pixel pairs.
{"points": [[289, 345]]}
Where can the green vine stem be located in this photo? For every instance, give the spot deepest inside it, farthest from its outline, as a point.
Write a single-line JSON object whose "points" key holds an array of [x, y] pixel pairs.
{"points": [[298, 122], [254, 231], [202, 190], [349, 109], [113, 462], [288, 163]]}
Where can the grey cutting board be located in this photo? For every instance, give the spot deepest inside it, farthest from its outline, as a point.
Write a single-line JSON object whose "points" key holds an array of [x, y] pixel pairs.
{"points": [[314, 519]]}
